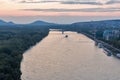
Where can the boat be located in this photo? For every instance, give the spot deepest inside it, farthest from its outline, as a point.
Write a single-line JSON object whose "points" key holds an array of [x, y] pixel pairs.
{"points": [[100, 45], [107, 52], [66, 36], [118, 55]]}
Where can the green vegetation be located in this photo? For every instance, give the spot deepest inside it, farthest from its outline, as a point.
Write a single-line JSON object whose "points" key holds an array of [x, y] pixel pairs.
{"points": [[14, 41]]}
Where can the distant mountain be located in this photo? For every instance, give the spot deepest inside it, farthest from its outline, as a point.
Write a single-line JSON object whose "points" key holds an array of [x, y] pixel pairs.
{"points": [[11, 23], [42, 23], [2, 22], [5, 23], [99, 24], [103, 21], [36, 23]]}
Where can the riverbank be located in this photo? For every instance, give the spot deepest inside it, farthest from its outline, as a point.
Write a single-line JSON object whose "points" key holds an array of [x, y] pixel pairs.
{"points": [[72, 58], [111, 48], [13, 43]]}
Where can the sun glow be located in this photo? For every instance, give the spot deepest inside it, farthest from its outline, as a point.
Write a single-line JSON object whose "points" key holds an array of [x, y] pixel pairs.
{"points": [[15, 8]]}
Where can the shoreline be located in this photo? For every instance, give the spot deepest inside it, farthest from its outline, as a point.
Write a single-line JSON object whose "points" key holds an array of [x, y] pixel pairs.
{"points": [[14, 44], [111, 48], [28, 50]]}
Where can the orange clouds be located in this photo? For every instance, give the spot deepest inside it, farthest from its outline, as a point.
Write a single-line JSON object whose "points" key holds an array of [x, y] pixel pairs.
{"points": [[11, 8]]}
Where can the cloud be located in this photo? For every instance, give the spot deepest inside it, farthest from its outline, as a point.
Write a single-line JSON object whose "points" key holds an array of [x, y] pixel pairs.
{"points": [[32, 1], [76, 10], [89, 2], [61, 1], [113, 2], [77, 2]]}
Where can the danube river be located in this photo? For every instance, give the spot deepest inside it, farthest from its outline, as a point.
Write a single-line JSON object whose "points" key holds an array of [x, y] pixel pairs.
{"points": [[72, 58]]}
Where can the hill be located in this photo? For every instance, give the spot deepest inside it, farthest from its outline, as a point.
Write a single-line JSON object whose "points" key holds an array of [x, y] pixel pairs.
{"points": [[5, 23]]}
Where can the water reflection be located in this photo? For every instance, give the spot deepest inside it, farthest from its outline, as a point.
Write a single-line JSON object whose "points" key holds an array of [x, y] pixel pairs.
{"points": [[72, 58]]}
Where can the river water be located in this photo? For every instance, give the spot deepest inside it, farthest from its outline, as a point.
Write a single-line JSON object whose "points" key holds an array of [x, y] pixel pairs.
{"points": [[72, 58]]}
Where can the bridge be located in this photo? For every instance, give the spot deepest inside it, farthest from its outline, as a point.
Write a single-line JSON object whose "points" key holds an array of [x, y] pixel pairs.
{"points": [[55, 29], [58, 30]]}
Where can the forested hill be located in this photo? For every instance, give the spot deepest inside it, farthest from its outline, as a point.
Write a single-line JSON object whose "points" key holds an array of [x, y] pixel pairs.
{"points": [[13, 42], [33, 24], [99, 24], [38, 23], [105, 24]]}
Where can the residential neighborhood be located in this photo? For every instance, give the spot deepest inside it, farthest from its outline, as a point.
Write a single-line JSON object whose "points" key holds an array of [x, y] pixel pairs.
{"points": [[111, 34]]}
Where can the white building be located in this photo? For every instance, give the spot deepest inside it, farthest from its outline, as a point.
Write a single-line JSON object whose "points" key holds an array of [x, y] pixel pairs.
{"points": [[111, 34]]}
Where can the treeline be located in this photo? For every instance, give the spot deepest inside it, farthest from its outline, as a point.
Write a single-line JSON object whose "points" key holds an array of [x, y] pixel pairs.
{"points": [[13, 42]]}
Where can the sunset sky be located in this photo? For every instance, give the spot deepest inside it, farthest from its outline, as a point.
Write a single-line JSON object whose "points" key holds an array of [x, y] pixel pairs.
{"points": [[59, 11]]}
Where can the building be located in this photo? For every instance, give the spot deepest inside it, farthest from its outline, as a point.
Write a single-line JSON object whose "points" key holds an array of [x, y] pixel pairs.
{"points": [[111, 34]]}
